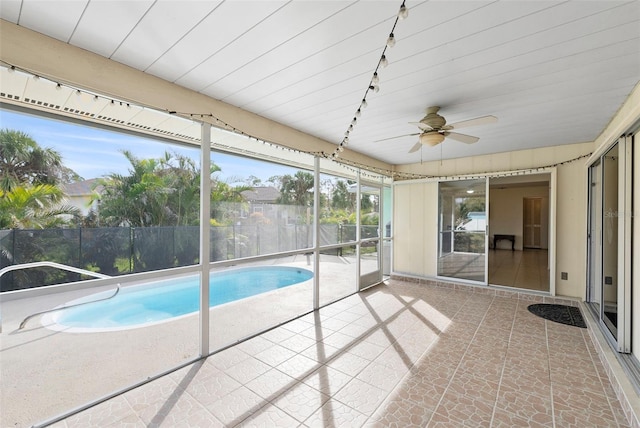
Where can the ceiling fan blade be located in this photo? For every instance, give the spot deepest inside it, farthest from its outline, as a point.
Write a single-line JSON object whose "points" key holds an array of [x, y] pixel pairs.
{"points": [[483, 120], [467, 139], [422, 126], [416, 147], [398, 136]]}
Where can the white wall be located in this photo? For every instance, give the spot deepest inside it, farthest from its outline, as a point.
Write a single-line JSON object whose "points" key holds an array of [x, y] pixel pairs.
{"points": [[506, 214]]}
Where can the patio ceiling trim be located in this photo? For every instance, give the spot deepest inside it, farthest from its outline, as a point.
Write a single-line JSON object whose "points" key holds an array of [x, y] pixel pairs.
{"points": [[78, 68]]}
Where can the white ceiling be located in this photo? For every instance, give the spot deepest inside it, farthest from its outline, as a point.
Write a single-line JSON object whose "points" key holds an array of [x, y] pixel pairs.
{"points": [[553, 72]]}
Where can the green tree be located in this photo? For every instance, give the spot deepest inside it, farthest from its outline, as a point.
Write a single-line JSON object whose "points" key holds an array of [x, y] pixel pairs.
{"points": [[341, 198], [226, 201], [163, 192], [466, 205], [24, 161], [295, 190], [156, 192], [33, 207]]}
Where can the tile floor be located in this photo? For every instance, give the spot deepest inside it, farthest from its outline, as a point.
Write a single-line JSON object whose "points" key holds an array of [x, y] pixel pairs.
{"points": [[402, 354], [527, 269]]}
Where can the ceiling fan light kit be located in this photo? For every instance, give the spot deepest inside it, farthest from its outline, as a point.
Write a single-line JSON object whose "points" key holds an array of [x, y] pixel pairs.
{"points": [[434, 129], [431, 138]]}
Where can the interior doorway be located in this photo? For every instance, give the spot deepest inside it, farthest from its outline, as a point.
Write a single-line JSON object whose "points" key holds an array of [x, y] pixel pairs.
{"points": [[532, 222], [519, 231]]}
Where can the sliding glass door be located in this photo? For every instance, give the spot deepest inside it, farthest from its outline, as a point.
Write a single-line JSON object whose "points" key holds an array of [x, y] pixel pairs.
{"points": [[609, 289], [462, 229], [609, 242]]}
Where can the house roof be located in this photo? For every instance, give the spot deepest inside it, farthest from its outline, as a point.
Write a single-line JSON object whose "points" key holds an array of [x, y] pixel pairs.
{"points": [[265, 194], [81, 188]]}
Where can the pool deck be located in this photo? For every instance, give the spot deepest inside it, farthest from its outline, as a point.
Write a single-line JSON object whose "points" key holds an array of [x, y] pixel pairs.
{"points": [[406, 353], [111, 361]]}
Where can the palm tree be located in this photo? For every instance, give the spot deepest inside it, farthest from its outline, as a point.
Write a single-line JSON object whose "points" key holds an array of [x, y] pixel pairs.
{"points": [[33, 207], [160, 192], [296, 190], [138, 199], [22, 160]]}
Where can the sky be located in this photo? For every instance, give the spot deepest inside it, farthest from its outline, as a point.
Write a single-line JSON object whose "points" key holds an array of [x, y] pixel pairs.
{"points": [[93, 152]]}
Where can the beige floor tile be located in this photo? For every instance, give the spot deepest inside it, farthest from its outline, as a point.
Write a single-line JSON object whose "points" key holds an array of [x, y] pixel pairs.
{"points": [[300, 401], [298, 366], [236, 406], [107, 413], [381, 376], [271, 384], [361, 396], [269, 416], [275, 355], [247, 370], [327, 380], [334, 414], [403, 355], [399, 411]]}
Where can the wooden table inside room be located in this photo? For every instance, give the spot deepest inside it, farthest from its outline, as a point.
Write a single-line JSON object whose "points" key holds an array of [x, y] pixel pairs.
{"points": [[511, 238]]}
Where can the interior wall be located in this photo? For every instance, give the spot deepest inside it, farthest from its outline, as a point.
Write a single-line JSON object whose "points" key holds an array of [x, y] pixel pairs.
{"points": [[506, 214]]}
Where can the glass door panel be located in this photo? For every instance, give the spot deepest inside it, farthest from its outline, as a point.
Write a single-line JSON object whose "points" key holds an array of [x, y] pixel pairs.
{"points": [[610, 240], [462, 229], [370, 272], [386, 222], [595, 235]]}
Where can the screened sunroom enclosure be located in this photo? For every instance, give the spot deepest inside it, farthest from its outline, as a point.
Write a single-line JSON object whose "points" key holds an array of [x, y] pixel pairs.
{"points": [[334, 236]]}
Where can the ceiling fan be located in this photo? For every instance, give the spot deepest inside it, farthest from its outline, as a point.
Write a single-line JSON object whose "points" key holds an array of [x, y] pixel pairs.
{"points": [[434, 129]]}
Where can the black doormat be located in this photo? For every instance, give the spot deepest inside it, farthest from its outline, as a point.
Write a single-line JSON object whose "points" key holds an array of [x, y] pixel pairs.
{"points": [[569, 315]]}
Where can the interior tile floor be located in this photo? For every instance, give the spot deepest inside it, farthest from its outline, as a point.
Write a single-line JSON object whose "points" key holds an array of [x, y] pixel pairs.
{"points": [[528, 269], [401, 354]]}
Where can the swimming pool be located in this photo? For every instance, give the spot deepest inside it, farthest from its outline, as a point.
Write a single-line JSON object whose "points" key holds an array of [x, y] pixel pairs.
{"points": [[147, 304]]}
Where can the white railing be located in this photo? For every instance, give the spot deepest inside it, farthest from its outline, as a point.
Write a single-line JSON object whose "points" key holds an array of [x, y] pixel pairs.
{"points": [[55, 266]]}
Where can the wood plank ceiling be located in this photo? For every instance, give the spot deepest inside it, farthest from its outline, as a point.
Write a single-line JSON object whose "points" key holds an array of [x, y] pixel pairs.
{"points": [[553, 72]]}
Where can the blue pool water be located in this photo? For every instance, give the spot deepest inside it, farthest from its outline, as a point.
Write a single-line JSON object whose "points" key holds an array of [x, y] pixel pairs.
{"points": [[150, 303]]}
